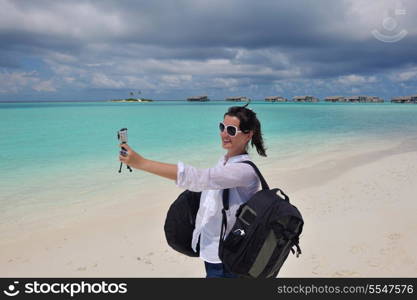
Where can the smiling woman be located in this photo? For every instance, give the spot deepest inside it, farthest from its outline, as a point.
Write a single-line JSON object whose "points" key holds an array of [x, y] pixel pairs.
{"points": [[239, 126]]}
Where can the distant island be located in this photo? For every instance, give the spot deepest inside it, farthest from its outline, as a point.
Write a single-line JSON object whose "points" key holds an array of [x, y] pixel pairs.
{"points": [[132, 100]]}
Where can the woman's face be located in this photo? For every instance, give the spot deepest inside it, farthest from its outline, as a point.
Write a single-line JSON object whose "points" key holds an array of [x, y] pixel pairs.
{"points": [[237, 143]]}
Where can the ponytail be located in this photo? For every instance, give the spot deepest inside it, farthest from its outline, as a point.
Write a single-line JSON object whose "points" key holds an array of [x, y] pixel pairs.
{"points": [[257, 139]]}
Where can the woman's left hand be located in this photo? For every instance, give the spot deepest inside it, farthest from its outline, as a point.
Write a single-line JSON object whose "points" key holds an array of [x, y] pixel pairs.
{"points": [[132, 159]]}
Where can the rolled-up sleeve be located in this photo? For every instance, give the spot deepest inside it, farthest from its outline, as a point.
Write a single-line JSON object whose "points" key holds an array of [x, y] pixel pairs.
{"points": [[215, 178]]}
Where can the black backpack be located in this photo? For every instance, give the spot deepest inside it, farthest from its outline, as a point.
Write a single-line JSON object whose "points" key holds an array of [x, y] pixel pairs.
{"points": [[180, 222], [267, 228]]}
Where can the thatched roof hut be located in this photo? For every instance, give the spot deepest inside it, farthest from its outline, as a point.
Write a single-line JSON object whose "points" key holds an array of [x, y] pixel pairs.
{"points": [[353, 99], [356, 98], [276, 99], [305, 99], [198, 98], [237, 99], [335, 99], [405, 99], [374, 99]]}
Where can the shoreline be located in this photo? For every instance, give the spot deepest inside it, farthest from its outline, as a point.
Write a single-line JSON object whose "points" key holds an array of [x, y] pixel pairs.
{"points": [[290, 172], [125, 238]]}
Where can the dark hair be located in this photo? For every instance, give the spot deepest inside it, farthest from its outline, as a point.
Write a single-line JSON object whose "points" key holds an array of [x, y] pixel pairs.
{"points": [[249, 121]]}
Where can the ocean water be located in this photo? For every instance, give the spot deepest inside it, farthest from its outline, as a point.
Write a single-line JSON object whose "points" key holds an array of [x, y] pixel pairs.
{"points": [[56, 154]]}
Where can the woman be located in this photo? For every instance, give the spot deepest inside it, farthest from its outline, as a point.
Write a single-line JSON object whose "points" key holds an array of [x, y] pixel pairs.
{"points": [[240, 125]]}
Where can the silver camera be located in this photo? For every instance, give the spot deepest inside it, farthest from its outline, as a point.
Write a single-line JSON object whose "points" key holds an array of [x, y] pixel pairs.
{"points": [[122, 137]]}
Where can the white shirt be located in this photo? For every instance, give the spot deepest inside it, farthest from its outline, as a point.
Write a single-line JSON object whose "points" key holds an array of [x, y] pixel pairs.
{"points": [[242, 182]]}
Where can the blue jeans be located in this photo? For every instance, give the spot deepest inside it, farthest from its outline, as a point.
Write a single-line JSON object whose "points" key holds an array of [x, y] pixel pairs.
{"points": [[217, 271]]}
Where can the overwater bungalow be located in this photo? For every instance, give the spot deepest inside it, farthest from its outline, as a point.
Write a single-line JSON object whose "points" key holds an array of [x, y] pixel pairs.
{"points": [[335, 99], [353, 99], [356, 99], [237, 99], [405, 99], [305, 99], [374, 99], [364, 99], [276, 99], [198, 98]]}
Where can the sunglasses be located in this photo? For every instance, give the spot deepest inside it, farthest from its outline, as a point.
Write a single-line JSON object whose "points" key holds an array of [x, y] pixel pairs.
{"points": [[230, 129]]}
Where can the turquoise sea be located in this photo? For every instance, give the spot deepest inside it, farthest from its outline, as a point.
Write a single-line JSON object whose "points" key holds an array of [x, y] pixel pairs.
{"points": [[58, 154]]}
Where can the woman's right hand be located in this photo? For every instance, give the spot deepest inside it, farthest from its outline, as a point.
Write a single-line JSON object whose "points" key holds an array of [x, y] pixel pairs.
{"points": [[132, 159]]}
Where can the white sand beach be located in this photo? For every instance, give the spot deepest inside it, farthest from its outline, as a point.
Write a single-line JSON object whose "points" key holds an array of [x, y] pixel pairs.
{"points": [[358, 202]]}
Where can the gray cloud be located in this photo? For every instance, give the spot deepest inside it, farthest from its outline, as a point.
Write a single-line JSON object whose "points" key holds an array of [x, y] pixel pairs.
{"points": [[204, 45]]}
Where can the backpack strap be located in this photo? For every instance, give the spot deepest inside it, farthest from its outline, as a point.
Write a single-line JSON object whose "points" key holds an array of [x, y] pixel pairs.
{"points": [[261, 178], [224, 217], [226, 198]]}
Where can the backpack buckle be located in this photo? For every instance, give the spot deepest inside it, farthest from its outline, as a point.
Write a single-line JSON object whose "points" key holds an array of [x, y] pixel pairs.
{"points": [[247, 215]]}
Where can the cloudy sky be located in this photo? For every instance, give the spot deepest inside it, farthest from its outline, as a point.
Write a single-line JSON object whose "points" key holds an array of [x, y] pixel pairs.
{"points": [[97, 50]]}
